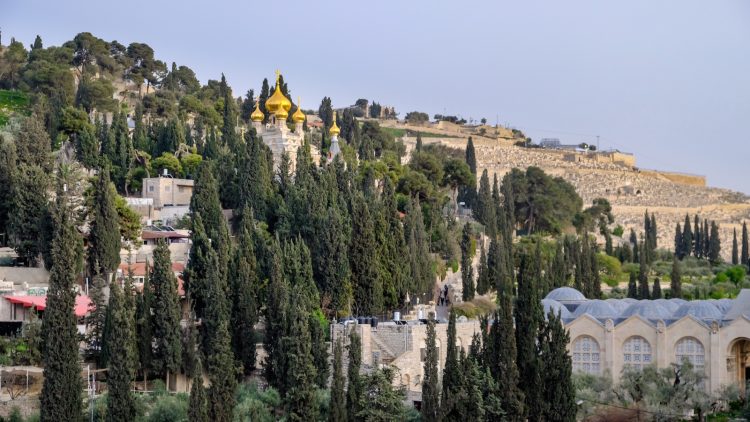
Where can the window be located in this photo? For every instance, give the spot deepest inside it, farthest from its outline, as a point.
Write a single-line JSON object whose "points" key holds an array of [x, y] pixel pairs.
{"points": [[586, 355], [150, 188], [691, 349], [636, 353], [167, 188]]}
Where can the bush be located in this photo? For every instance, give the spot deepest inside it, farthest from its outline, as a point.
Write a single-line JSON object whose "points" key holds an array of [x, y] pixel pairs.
{"points": [[169, 409]]}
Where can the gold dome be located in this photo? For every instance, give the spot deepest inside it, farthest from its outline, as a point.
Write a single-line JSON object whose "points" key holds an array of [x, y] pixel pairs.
{"points": [[334, 130], [281, 114], [257, 115], [298, 116], [278, 101]]}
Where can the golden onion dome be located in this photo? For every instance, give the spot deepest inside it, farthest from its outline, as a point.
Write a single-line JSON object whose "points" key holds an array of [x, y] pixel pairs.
{"points": [[278, 101], [334, 130], [298, 116], [257, 115], [281, 114]]}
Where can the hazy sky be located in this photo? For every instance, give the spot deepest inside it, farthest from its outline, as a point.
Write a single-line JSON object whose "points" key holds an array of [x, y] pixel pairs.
{"points": [[666, 80]]}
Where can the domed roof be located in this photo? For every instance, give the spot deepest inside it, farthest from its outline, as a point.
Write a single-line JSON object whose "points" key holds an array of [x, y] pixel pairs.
{"points": [[647, 309], [700, 309], [556, 307], [671, 306], [619, 304], [678, 301], [566, 294], [257, 115], [298, 116], [334, 130], [724, 305], [629, 300], [278, 102], [598, 309]]}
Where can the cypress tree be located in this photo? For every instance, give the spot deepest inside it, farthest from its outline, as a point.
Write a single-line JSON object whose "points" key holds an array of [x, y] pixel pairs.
{"points": [[120, 402], [430, 388], [735, 249], [264, 94], [484, 210], [167, 350], [419, 252], [501, 360], [557, 390], [675, 279], [744, 258], [418, 147], [453, 379], [654, 234], [469, 193], [96, 321], [714, 246], [218, 347], [144, 333], [368, 293], [467, 271], [61, 389], [299, 400], [198, 402], [656, 291], [643, 290], [528, 314], [26, 211], [497, 275], [483, 281], [558, 270], [698, 238], [395, 254], [355, 387], [632, 286], [245, 287], [678, 241], [706, 238], [337, 408], [277, 303], [687, 238]]}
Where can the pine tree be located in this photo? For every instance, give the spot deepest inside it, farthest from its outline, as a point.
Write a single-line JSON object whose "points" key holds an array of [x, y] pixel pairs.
{"points": [[337, 408], [120, 402], [467, 271], [714, 245], [557, 391], [656, 291], [355, 387], [61, 389], [744, 258], [245, 288], [632, 286], [104, 236], [430, 388], [528, 314], [675, 279], [167, 350]]}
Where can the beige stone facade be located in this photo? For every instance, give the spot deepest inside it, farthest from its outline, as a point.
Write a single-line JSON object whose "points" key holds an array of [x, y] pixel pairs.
{"points": [[606, 336], [402, 346], [168, 191]]}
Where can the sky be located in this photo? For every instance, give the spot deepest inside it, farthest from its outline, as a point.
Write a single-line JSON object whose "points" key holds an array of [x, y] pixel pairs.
{"points": [[666, 80]]}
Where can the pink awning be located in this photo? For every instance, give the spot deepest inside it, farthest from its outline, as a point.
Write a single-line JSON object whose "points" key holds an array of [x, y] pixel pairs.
{"points": [[40, 303]]}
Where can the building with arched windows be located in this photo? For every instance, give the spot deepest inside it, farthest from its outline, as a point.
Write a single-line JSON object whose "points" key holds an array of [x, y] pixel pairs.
{"points": [[614, 334]]}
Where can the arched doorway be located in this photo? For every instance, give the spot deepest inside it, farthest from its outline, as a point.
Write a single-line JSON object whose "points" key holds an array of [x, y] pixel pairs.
{"points": [[738, 362]]}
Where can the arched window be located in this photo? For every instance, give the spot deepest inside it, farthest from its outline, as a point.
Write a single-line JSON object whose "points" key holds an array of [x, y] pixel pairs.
{"points": [[636, 352], [691, 349], [586, 355]]}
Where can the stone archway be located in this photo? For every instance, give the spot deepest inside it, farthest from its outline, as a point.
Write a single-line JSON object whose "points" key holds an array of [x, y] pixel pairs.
{"points": [[738, 362]]}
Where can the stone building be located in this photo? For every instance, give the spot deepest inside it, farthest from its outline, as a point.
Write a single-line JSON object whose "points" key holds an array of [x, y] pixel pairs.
{"points": [[276, 134], [402, 345], [610, 335]]}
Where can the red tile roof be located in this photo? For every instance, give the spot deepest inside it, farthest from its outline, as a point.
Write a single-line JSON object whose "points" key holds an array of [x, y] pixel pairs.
{"points": [[40, 303]]}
